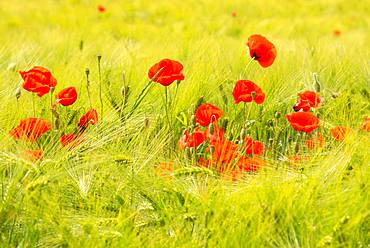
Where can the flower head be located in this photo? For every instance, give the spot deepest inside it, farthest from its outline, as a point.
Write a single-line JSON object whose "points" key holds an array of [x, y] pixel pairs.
{"points": [[34, 155], [30, 129], [253, 146], [247, 91], [366, 124], [261, 50], [91, 117], [38, 80], [166, 72], [207, 113], [308, 100], [303, 121], [340, 132], [66, 97], [193, 139]]}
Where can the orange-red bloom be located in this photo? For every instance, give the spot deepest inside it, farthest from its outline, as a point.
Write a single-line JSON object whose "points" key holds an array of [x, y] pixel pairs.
{"points": [[307, 100], [224, 154], [38, 80], [30, 129], [71, 140], [366, 124], [315, 142], [34, 155], [337, 33], [91, 117], [303, 121], [66, 97], [249, 164], [244, 91], [261, 50], [340, 133], [207, 113], [166, 72], [192, 140], [101, 9], [253, 146]]}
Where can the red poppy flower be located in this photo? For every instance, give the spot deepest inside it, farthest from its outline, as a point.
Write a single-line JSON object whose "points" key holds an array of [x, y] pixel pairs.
{"points": [[71, 140], [224, 154], [166, 72], [261, 50], [66, 97], [253, 146], [34, 155], [249, 164], [38, 80], [192, 140], [340, 133], [165, 169], [101, 9], [303, 121], [207, 113], [243, 91], [366, 124], [307, 100], [216, 136], [30, 129], [337, 33], [315, 142], [91, 117]]}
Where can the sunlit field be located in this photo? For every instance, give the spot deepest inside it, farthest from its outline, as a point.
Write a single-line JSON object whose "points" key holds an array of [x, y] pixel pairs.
{"points": [[184, 123]]}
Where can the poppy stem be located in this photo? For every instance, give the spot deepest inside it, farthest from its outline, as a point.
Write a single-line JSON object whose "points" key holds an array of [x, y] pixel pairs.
{"points": [[166, 106], [297, 145], [143, 93], [87, 71], [247, 66], [100, 87], [51, 104]]}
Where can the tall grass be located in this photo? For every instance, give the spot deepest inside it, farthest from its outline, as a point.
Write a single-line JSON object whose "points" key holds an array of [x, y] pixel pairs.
{"points": [[109, 193]]}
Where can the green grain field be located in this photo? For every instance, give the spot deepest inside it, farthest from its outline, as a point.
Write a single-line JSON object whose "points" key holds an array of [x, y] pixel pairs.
{"points": [[114, 189]]}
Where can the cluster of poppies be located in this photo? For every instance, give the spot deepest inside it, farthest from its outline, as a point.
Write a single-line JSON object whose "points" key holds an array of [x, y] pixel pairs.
{"points": [[40, 81], [205, 134], [244, 155]]}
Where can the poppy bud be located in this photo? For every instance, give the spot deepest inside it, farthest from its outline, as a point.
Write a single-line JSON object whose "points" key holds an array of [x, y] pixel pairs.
{"points": [[211, 128], [193, 120], [253, 94], [316, 82], [87, 71], [11, 67], [146, 122], [211, 149], [99, 57], [271, 142], [277, 115], [243, 134], [18, 93], [81, 45], [270, 123]]}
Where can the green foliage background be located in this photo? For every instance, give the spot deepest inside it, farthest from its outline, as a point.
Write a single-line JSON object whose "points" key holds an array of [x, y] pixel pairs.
{"points": [[107, 193]]}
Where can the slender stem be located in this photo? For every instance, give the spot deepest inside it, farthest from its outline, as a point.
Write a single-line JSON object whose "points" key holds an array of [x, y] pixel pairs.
{"points": [[297, 145], [247, 66], [143, 93], [100, 87], [51, 104], [166, 104], [88, 86]]}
